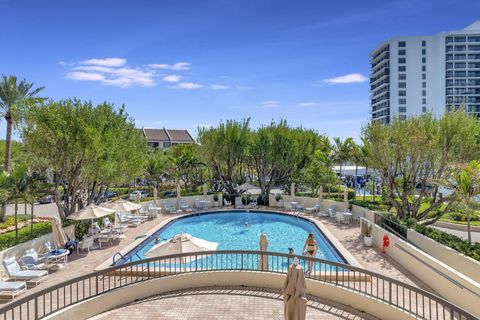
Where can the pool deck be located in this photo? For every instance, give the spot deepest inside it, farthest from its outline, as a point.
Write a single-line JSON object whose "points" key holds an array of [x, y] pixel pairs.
{"points": [[349, 236]]}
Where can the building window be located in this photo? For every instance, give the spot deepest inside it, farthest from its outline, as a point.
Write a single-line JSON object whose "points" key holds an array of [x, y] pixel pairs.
{"points": [[424, 76], [424, 84], [424, 43], [460, 56], [424, 93], [401, 52], [402, 60], [402, 93], [402, 109], [424, 109], [424, 100], [167, 144], [402, 76], [402, 68], [424, 68], [402, 44], [449, 40], [424, 51], [474, 39], [460, 39], [402, 117], [402, 101], [424, 60], [402, 84], [460, 65], [449, 57]]}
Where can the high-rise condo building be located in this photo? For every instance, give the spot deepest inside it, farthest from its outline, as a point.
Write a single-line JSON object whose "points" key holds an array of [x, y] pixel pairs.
{"points": [[417, 74]]}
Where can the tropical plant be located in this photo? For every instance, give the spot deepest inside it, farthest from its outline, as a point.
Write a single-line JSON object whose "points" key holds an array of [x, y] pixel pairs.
{"points": [[414, 157], [342, 151]]}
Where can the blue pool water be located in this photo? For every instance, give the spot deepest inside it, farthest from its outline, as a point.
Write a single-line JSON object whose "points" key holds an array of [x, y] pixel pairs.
{"points": [[240, 230]]}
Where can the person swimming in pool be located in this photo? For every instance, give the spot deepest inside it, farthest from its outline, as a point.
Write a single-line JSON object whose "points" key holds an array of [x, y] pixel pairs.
{"points": [[310, 249]]}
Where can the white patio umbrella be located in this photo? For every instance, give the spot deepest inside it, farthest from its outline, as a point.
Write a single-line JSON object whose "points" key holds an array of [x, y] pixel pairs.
{"points": [[90, 212], [123, 206], [181, 243], [292, 190], [178, 191]]}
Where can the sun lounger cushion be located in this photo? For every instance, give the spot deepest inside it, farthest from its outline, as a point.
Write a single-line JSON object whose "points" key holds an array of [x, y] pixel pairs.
{"points": [[29, 274], [11, 285]]}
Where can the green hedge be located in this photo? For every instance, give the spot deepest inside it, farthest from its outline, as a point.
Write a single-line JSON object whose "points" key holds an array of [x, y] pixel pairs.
{"points": [[451, 241], [10, 221], [377, 205], [8, 239]]}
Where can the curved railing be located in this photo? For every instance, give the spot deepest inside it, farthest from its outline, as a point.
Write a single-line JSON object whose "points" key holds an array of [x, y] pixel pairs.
{"points": [[415, 301]]}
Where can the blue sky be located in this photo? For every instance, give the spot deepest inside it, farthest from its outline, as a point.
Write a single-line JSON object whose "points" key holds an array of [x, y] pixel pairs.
{"points": [[184, 64]]}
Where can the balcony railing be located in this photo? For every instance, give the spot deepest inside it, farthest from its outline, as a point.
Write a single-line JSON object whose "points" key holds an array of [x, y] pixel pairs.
{"points": [[415, 301]]}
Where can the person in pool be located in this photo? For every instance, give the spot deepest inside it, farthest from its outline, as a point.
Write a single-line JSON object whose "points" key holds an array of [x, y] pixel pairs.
{"points": [[310, 249]]}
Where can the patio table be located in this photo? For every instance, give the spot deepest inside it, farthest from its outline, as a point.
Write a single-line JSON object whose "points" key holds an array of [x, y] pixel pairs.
{"points": [[347, 216], [294, 204], [57, 257]]}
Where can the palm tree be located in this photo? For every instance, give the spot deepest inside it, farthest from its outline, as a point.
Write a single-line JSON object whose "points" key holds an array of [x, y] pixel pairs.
{"points": [[342, 151], [14, 98], [468, 186], [15, 185]]}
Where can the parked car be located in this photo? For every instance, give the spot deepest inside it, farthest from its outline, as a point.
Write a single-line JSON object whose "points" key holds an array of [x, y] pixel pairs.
{"points": [[133, 195], [46, 199], [108, 195], [169, 194]]}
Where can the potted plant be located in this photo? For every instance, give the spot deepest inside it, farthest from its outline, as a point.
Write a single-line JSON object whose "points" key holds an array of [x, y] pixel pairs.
{"points": [[278, 197], [368, 239], [215, 200]]}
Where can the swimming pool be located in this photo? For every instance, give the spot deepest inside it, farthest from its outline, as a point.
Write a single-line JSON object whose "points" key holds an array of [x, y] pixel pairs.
{"points": [[240, 230]]}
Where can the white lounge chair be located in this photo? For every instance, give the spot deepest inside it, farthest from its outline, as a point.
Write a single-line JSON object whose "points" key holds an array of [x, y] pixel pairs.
{"points": [[29, 262], [339, 217], [182, 205], [105, 237], [313, 209], [238, 202], [10, 289], [125, 220], [331, 212], [168, 208], [85, 244], [226, 203], [15, 272]]}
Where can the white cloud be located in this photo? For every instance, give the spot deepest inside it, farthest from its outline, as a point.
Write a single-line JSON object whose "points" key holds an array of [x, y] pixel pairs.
{"points": [[176, 66], [78, 75], [218, 87], [186, 85], [108, 62], [172, 78], [269, 104], [307, 104], [348, 78], [111, 72]]}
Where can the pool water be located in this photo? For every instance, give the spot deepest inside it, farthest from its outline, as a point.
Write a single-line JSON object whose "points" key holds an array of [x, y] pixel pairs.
{"points": [[241, 230]]}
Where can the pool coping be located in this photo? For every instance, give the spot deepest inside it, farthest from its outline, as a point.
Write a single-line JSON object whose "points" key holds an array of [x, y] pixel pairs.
{"points": [[337, 245]]}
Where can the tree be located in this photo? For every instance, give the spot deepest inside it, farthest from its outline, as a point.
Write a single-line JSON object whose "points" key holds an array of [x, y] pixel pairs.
{"points": [[84, 148], [188, 167], [226, 149], [15, 98], [158, 167], [467, 183], [414, 158], [342, 151], [319, 172]]}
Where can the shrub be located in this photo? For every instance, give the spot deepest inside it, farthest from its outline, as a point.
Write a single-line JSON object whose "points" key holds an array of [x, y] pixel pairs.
{"points": [[278, 197], [10, 220], [377, 205], [215, 197], [8, 239]]}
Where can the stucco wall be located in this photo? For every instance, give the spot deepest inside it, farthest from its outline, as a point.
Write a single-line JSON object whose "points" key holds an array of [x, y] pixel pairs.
{"points": [[190, 200], [128, 294], [446, 281], [307, 202], [453, 258]]}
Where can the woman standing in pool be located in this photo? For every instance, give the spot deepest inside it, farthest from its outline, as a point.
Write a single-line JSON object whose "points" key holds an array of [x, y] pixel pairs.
{"points": [[310, 249]]}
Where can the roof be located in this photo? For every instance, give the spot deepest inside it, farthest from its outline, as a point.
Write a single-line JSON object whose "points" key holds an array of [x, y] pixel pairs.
{"points": [[179, 135], [167, 135]]}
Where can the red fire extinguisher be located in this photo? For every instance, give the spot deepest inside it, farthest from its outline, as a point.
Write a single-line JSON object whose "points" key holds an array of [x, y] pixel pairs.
{"points": [[386, 243]]}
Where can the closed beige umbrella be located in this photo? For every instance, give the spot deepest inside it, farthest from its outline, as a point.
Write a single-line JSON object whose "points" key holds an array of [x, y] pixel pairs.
{"points": [[294, 297], [345, 200], [263, 247], [205, 190], [292, 190], [155, 195], [178, 191], [320, 194], [59, 236]]}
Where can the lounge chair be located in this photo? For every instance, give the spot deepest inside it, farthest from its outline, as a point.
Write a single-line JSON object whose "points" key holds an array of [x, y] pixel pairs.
{"points": [[105, 237], [85, 244], [182, 205], [287, 206], [10, 289], [323, 211], [313, 209], [29, 262], [331, 212], [168, 208], [226, 203], [339, 217], [15, 272], [253, 203], [238, 202], [53, 249], [127, 221], [37, 257]]}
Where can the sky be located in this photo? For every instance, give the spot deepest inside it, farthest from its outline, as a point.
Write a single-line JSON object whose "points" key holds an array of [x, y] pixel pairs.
{"points": [[189, 64]]}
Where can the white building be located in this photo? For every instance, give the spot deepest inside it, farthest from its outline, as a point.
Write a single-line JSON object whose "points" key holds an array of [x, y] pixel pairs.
{"points": [[415, 74]]}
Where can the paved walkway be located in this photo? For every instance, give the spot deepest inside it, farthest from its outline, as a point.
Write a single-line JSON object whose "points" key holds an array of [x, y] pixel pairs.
{"points": [[226, 303], [460, 233]]}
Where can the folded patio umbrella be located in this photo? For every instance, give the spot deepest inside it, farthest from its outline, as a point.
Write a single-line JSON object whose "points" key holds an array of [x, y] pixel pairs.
{"points": [[263, 247], [294, 297], [182, 243]]}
